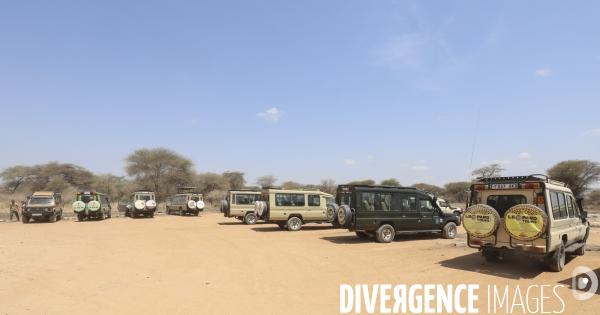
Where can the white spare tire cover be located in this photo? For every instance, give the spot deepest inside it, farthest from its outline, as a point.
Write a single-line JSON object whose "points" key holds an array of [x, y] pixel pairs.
{"points": [[139, 204], [525, 222], [78, 206], [151, 204], [258, 208], [191, 204], [93, 205], [200, 204], [481, 220]]}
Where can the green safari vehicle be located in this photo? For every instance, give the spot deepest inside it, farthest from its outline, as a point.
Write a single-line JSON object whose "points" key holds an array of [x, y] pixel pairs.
{"points": [[91, 204]]}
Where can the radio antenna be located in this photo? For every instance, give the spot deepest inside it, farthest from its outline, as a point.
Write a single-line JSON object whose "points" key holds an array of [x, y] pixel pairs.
{"points": [[473, 150]]}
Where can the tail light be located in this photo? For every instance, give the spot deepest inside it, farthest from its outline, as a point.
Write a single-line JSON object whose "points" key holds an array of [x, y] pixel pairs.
{"points": [[480, 187]]}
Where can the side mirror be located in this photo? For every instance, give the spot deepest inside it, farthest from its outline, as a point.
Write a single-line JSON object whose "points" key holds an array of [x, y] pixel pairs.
{"points": [[584, 214]]}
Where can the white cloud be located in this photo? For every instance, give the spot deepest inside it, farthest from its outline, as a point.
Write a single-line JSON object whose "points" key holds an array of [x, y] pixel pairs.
{"points": [[542, 73], [419, 167], [370, 158], [524, 155], [271, 114], [595, 132], [350, 162], [502, 161]]}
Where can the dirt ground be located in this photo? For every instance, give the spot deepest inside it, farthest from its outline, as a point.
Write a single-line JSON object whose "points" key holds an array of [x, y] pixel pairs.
{"points": [[215, 265]]}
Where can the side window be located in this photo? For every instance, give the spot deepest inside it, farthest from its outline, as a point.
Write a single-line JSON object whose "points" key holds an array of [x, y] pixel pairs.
{"points": [[395, 202], [504, 202], [559, 209], [562, 205], [242, 200], [298, 200], [314, 200], [294, 200], [382, 202], [409, 203], [571, 207], [367, 201], [426, 205]]}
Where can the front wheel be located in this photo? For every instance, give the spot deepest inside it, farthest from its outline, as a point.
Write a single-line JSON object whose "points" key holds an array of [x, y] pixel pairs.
{"points": [[181, 212], [294, 224], [557, 261], [52, 218], [167, 211], [25, 219], [449, 230], [385, 233], [250, 218]]}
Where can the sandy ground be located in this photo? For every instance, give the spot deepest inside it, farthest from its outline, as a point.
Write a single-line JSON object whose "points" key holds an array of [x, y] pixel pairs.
{"points": [[215, 265]]}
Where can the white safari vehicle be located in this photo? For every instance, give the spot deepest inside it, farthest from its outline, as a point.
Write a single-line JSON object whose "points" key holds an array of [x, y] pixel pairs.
{"points": [[527, 215], [240, 204], [141, 202]]}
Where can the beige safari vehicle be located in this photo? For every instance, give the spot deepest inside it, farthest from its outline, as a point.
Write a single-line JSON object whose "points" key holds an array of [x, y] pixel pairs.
{"points": [[186, 201], [240, 204], [292, 208], [43, 205], [526, 215], [141, 202]]}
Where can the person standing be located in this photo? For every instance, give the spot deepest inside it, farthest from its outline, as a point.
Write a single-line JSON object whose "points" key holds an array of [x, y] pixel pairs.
{"points": [[14, 209]]}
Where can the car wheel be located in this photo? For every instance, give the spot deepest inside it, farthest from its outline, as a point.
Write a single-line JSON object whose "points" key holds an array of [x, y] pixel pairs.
{"points": [[110, 214], [52, 218], [490, 255], [282, 225], [151, 214], [332, 210], [344, 215], [80, 217], [449, 230], [181, 212], [132, 215], [101, 217], [362, 234], [580, 251], [196, 213], [294, 224], [557, 262], [385, 233], [25, 219], [250, 219], [167, 211]]}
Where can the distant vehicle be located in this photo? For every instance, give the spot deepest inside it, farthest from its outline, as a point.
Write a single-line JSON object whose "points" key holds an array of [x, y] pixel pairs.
{"points": [[43, 205], [141, 202], [186, 201], [91, 204], [384, 211], [239, 203], [530, 215], [291, 208], [445, 206]]}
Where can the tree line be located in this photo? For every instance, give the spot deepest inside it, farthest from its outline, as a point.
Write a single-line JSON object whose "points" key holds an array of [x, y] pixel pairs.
{"points": [[163, 170]]}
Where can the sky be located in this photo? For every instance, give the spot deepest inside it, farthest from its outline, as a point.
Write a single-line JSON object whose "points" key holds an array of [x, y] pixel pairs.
{"points": [[420, 91]]}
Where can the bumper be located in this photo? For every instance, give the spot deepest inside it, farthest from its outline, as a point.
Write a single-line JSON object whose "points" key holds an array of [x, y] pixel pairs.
{"points": [[37, 214]]}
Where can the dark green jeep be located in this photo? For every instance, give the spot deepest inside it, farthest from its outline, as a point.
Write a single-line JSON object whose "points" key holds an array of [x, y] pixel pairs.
{"points": [[385, 211]]}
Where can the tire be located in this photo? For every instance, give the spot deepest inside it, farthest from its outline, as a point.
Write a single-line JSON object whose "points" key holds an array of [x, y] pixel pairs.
{"points": [[167, 211], [282, 225], [580, 251], [52, 218], [101, 218], [557, 261], [151, 215], [475, 215], [80, 217], [385, 233], [449, 230], [223, 206], [294, 224], [490, 256], [181, 212], [344, 215], [266, 210], [362, 234], [331, 213], [196, 213], [110, 214], [250, 219], [25, 219]]}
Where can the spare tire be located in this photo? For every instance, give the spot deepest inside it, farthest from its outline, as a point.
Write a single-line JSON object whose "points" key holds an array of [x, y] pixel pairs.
{"points": [[93, 205], [151, 204], [139, 204], [200, 205], [344, 215], [481, 220], [258, 208], [525, 222], [332, 210], [223, 206], [191, 204], [78, 206], [266, 210]]}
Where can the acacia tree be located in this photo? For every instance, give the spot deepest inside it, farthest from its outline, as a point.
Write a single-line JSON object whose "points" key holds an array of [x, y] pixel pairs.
{"points": [[492, 170], [291, 185], [208, 182], [579, 175], [15, 176], [362, 182], [328, 185], [436, 190], [236, 179], [266, 180], [159, 168], [457, 191], [390, 182]]}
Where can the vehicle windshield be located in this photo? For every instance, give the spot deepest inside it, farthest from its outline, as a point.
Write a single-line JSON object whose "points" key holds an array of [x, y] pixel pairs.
{"points": [[86, 198], [41, 201], [195, 198], [145, 198], [504, 202], [444, 204]]}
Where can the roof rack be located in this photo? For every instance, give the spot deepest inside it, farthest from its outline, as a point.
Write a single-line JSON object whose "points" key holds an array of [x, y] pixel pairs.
{"points": [[529, 178], [271, 187], [382, 186]]}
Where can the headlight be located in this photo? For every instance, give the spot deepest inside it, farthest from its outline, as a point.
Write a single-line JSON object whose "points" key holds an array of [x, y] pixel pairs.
{"points": [[45, 209]]}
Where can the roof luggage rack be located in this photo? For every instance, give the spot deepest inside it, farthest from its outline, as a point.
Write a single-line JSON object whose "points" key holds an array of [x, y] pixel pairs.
{"points": [[529, 178]]}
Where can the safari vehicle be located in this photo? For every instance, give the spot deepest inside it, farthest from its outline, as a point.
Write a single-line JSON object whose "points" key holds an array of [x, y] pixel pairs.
{"points": [[292, 208], [187, 200], [527, 215], [385, 211], [141, 202], [240, 204], [91, 204], [445, 206], [43, 205]]}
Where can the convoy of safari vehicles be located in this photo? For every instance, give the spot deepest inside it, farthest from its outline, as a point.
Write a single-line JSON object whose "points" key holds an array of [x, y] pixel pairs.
{"points": [[141, 202], [384, 211], [526, 215], [43, 205], [186, 201], [91, 204]]}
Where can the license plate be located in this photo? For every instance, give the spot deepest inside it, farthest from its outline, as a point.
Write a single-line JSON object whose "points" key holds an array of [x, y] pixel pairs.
{"points": [[36, 214], [504, 186]]}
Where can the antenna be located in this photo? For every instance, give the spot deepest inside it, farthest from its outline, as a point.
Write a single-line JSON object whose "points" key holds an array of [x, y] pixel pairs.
{"points": [[473, 150]]}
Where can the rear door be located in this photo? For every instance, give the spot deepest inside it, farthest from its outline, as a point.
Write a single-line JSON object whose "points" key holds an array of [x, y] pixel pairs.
{"points": [[430, 216], [410, 216]]}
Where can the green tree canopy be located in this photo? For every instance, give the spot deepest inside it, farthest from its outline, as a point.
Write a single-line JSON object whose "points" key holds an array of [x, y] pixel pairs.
{"points": [[579, 175]]}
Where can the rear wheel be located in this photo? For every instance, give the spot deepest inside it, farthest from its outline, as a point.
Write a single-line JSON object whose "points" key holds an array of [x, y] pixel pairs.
{"points": [[557, 261], [250, 218], [449, 231], [151, 214], [362, 234], [80, 217], [109, 214], [490, 256], [101, 216], [294, 224], [385, 233], [196, 212], [181, 212]]}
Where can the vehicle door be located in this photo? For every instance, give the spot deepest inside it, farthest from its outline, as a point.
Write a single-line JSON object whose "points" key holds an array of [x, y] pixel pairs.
{"points": [[578, 230], [430, 215], [315, 210], [410, 216]]}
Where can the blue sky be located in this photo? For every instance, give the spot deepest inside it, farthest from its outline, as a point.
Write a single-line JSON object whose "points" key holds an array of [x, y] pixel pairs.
{"points": [[302, 90]]}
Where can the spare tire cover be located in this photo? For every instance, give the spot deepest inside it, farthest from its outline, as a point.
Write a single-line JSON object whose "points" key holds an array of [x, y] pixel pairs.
{"points": [[258, 208], [481, 220], [191, 204], [93, 205], [332, 210], [200, 204], [525, 222], [139, 204], [78, 206], [151, 204]]}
